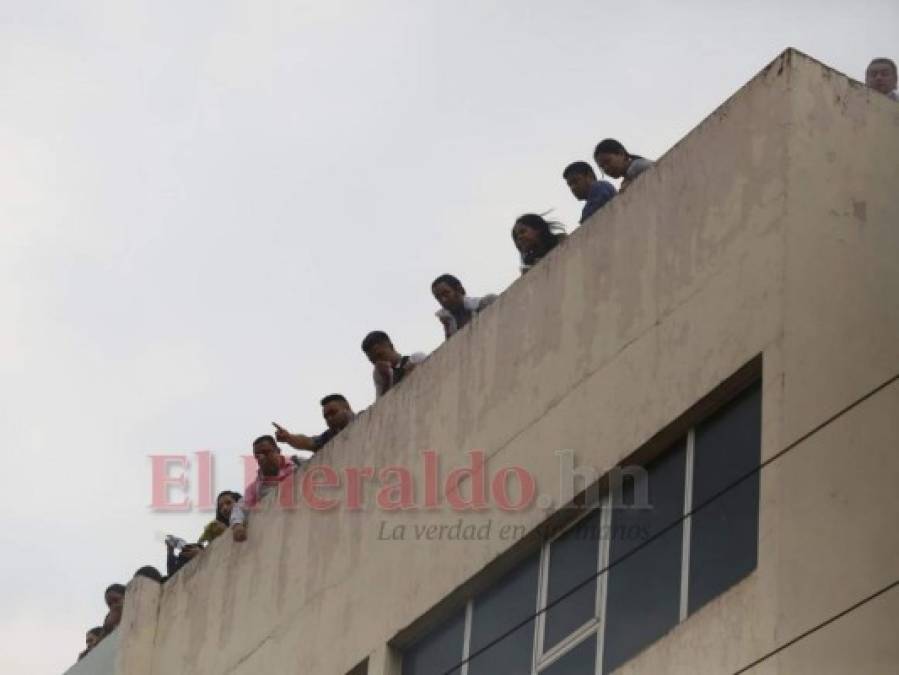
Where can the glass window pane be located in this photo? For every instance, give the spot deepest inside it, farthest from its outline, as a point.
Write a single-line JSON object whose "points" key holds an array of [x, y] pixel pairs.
{"points": [[496, 611], [579, 661], [724, 534], [643, 600], [438, 651], [573, 557]]}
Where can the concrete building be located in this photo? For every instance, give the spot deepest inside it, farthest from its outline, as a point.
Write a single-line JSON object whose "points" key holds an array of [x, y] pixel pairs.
{"points": [[731, 325]]}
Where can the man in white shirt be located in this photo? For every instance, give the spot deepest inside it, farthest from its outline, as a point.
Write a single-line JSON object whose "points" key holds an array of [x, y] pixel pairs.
{"points": [[457, 308], [881, 76], [390, 367]]}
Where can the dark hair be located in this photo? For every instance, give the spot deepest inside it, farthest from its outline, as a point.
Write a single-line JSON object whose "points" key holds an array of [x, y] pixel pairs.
{"points": [[578, 169], [219, 516], [262, 439], [548, 239], [148, 572], [449, 280], [333, 397], [883, 59], [115, 588], [96, 630], [374, 338], [610, 145]]}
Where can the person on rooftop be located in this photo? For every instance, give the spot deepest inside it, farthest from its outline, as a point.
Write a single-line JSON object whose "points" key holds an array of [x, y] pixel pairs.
{"points": [[585, 187], [187, 553], [224, 503], [390, 367], [273, 469], [91, 640], [457, 308], [114, 595], [150, 572], [881, 76], [612, 158], [534, 237], [337, 413]]}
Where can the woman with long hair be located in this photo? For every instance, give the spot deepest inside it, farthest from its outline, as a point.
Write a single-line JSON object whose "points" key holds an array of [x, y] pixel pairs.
{"points": [[534, 237]]}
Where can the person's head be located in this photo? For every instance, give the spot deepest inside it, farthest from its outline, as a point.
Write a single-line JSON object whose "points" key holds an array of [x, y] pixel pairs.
{"points": [[268, 455], [580, 178], [223, 505], [378, 347], [449, 292], [881, 75], [337, 411], [149, 572], [612, 158], [94, 635], [114, 595], [533, 237]]}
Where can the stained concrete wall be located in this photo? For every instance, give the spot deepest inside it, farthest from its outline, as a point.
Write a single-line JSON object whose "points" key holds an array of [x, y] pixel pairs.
{"points": [[772, 229]]}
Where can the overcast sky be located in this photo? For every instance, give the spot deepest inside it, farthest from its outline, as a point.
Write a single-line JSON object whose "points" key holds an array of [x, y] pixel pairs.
{"points": [[206, 204]]}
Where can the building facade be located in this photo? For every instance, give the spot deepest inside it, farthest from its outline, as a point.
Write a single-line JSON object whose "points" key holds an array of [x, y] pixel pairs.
{"points": [[688, 416]]}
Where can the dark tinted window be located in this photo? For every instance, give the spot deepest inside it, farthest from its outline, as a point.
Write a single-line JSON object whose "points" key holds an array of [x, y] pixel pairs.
{"points": [[579, 661], [511, 601], [439, 651], [724, 534], [643, 599], [573, 558]]}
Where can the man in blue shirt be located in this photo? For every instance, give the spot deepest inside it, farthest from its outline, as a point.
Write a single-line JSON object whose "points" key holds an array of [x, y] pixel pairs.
{"points": [[586, 188]]}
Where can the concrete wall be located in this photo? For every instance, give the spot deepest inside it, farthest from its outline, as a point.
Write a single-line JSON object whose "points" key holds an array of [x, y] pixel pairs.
{"points": [[772, 229]]}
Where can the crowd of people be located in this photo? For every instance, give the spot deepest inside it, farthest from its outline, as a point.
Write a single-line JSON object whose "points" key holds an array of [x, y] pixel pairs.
{"points": [[533, 236]]}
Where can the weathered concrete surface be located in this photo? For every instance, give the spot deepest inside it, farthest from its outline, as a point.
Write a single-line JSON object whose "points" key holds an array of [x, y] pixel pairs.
{"points": [[772, 229]]}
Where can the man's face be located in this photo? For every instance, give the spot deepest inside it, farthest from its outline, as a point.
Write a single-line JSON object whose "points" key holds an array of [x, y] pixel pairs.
{"points": [[114, 599], [337, 414], [613, 164], [92, 639], [881, 77], [450, 298], [267, 457], [381, 351], [579, 184]]}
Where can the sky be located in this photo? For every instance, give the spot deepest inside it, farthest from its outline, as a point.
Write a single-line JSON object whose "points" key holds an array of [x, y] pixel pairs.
{"points": [[205, 205]]}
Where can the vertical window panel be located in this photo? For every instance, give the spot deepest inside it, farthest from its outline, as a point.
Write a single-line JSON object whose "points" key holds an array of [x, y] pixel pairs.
{"points": [[573, 558], [643, 595], [438, 651], [496, 611], [724, 534]]}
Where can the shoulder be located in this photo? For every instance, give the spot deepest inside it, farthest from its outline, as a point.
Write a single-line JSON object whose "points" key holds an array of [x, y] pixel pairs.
{"points": [[417, 357], [486, 300], [638, 166]]}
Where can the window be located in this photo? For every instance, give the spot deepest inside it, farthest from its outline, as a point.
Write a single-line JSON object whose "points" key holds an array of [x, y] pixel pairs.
{"points": [[662, 564], [497, 611], [438, 651], [643, 600], [724, 534]]}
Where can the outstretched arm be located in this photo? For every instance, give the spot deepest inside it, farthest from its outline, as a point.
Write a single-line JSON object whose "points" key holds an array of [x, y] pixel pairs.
{"points": [[298, 441]]}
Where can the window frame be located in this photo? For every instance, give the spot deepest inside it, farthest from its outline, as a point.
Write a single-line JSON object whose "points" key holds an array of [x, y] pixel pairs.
{"points": [[542, 659]]}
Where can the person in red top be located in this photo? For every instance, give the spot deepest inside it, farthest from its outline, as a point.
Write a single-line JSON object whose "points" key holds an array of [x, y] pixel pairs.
{"points": [[273, 469]]}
